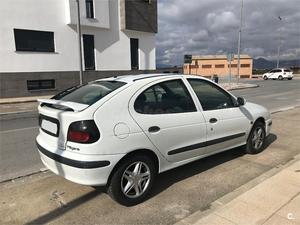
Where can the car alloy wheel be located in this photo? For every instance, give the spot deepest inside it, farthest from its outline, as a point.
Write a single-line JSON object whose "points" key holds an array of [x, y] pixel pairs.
{"points": [[258, 138], [135, 179], [265, 78], [132, 180], [280, 77]]}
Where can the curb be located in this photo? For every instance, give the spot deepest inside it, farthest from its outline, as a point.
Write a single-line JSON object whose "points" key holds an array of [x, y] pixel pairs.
{"points": [[18, 101], [13, 115], [22, 99], [196, 216], [274, 111], [41, 170], [240, 88]]}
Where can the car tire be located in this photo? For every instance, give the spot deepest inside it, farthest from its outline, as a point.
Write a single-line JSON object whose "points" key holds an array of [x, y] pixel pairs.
{"points": [[129, 184], [256, 140], [290, 78], [280, 77], [265, 78]]}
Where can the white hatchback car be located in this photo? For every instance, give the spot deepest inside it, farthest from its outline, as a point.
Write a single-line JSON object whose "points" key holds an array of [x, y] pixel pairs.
{"points": [[279, 73], [122, 131]]}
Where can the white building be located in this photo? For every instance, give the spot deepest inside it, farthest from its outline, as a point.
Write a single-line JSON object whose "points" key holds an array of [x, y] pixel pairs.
{"points": [[41, 36]]}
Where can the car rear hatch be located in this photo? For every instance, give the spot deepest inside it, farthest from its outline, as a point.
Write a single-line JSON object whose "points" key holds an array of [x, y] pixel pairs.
{"points": [[288, 72], [72, 105]]}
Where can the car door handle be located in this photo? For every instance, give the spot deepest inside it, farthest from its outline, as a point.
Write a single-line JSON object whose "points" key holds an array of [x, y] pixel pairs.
{"points": [[154, 129], [213, 120]]}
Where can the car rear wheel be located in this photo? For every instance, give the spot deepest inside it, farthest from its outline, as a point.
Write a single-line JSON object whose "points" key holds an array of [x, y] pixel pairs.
{"points": [[132, 181], [280, 77], [256, 139], [265, 78]]}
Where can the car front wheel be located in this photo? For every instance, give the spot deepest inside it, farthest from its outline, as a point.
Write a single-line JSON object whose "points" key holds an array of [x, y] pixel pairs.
{"points": [[280, 77], [265, 78], [132, 181], [256, 139]]}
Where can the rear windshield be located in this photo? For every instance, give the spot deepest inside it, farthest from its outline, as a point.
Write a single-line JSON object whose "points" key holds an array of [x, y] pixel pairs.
{"points": [[90, 93]]}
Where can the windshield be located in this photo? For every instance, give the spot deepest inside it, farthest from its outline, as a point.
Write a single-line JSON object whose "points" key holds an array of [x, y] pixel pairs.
{"points": [[90, 93]]}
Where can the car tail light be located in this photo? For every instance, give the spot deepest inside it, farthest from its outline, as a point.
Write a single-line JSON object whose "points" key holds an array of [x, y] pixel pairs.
{"points": [[84, 131]]}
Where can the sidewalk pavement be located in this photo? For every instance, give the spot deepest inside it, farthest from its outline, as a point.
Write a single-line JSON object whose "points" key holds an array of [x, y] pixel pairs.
{"points": [[19, 105], [274, 201], [237, 86]]}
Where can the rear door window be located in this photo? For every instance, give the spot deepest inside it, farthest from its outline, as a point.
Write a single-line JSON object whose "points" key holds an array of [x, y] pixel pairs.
{"points": [[165, 98], [286, 70], [90, 93]]}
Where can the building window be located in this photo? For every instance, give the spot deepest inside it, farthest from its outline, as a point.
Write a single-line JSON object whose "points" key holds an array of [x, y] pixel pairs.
{"points": [[220, 66], [134, 53], [89, 8], [245, 65], [232, 65], [34, 41], [89, 52], [40, 84], [206, 66]]}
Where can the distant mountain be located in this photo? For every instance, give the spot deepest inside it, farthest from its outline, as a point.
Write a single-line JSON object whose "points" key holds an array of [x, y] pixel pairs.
{"points": [[162, 66], [259, 63], [262, 63]]}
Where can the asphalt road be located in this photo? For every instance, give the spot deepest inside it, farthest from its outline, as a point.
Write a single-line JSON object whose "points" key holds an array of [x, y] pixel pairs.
{"points": [[17, 136], [273, 94], [45, 198]]}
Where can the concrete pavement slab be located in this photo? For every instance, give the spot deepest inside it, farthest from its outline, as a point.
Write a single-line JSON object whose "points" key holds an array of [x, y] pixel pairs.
{"points": [[291, 210], [214, 219], [275, 199], [240, 212], [278, 220], [271, 194]]}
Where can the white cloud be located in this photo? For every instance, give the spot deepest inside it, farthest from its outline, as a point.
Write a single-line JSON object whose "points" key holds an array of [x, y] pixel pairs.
{"points": [[211, 27]]}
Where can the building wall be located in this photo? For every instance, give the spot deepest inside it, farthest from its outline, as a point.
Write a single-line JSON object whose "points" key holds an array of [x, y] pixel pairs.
{"points": [[112, 45], [15, 84], [209, 67]]}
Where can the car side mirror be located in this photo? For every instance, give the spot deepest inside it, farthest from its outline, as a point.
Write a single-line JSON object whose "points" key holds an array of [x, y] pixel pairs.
{"points": [[241, 101]]}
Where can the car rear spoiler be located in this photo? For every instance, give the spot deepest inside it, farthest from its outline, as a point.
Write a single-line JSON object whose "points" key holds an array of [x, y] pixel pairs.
{"points": [[76, 107]]}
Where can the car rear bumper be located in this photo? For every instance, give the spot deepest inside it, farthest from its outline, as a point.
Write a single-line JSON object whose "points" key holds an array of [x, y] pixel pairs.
{"points": [[94, 171]]}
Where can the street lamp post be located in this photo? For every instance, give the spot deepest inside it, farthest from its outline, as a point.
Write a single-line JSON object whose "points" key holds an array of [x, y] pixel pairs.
{"points": [[79, 42], [239, 43], [279, 43]]}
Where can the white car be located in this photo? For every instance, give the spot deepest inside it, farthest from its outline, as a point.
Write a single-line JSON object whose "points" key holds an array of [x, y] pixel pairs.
{"points": [[122, 131], [279, 73]]}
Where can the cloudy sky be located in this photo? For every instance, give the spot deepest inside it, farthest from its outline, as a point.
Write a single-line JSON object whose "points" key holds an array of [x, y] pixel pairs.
{"points": [[211, 27]]}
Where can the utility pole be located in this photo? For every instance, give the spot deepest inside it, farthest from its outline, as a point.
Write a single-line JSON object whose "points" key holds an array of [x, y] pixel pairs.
{"points": [[239, 43], [79, 42], [279, 44]]}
